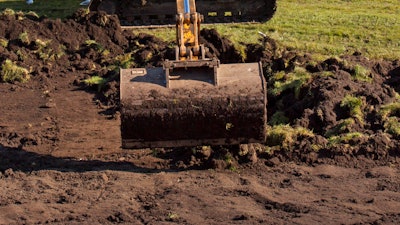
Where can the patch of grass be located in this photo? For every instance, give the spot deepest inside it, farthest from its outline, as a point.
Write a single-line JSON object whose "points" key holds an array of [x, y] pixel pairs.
{"points": [[343, 138], [3, 43], [124, 61], [24, 38], [392, 126], [61, 51], [390, 110], [167, 34], [354, 105], [172, 216], [229, 160], [42, 44], [103, 20], [8, 12], [21, 54], [229, 126], [294, 80], [105, 52], [316, 147], [390, 114], [52, 9], [96, 81], [45, 52], [278, 118], [94, 45], [285, 135], [18, 15], [11, 72], [326, 74], [32, 14], [362, 74], [343, 127]]}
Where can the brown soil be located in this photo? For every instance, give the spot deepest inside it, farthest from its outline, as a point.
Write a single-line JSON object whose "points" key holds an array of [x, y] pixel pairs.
{"points": [[61, 161]]}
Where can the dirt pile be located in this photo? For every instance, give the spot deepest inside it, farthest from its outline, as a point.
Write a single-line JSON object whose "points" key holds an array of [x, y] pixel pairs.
{"points": [[349, 103]]}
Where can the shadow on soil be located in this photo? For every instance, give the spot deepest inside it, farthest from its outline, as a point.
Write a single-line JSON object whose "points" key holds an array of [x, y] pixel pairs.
{"points": [[25, 161], [153, 161]]}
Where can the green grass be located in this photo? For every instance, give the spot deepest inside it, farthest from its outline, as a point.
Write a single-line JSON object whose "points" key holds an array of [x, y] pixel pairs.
{"points": [[96, 81], [390, 115], [285, 135], [3, 42], [10, 72], [325, 28], [362, 74], [344, 138], [392, 126], [24, 38], [334, 27], [354, 105], [342, 127], [49, 8], [391, 109], [294, 80], [278, 118]]}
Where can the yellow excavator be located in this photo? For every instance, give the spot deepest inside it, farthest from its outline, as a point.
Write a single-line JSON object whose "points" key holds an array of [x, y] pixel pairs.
{"points": [[192, 100], [162, 12]]}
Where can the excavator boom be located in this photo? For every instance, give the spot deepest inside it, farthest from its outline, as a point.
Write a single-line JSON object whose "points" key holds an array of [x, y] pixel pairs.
{"points": [[162, 12]]}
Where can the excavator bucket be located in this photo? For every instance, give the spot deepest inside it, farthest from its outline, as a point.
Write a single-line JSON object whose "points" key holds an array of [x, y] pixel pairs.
{"points": [[222, 105]]}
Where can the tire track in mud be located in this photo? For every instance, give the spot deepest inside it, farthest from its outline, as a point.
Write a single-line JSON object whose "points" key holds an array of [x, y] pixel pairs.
{"points": [[56, 123], [83, 132], [32, 128]]}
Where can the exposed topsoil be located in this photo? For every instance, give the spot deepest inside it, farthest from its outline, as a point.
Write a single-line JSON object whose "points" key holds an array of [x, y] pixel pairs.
{"points": [[336, 160]]}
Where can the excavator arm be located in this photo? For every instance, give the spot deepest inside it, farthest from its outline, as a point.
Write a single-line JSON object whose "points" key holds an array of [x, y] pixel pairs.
{"points": [[189, 53], [188, 26], [192, 100], [156, 13]]}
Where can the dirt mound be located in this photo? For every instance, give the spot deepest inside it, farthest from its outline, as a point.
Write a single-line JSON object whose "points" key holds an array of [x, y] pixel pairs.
{"points": [[219, 47], [345, 102], [90, 44]]}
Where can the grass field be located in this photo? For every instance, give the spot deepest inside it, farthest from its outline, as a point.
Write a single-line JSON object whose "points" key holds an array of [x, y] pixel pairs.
{"points": [[334, 27], [50, 8], [326, 28]]}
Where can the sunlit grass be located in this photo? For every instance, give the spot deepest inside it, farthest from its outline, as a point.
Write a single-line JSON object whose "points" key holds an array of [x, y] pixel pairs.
{"points": [[49, 8], [326, 28], [335, 27]]}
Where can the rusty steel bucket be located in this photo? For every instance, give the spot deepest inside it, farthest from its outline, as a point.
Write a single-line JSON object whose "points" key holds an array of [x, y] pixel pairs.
{"points": [[199, 106]]}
